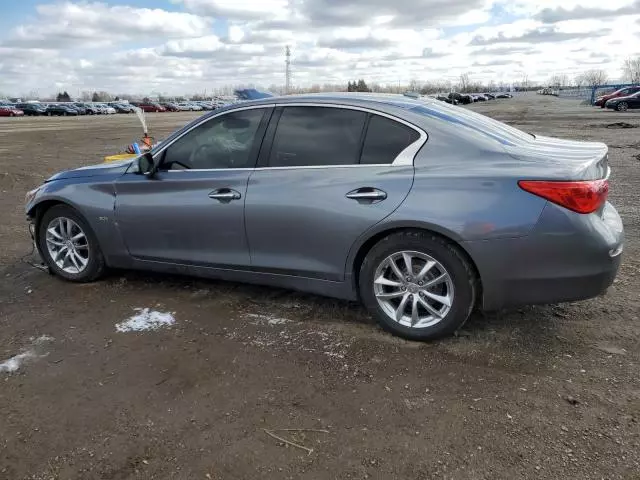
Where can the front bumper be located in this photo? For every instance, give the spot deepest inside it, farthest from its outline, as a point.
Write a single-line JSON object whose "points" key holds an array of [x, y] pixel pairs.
{"points": [[567, 257]]}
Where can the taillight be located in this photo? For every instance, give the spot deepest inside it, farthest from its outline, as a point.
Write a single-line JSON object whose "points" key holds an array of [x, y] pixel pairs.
{"points": [[581, 197]]}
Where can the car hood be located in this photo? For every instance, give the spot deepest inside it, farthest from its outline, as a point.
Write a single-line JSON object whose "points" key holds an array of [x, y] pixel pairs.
{"points": [[93, 170], [626, 97]]}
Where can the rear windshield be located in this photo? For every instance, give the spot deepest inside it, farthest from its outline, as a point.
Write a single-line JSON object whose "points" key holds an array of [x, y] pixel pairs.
{"points": [[489, 127]]}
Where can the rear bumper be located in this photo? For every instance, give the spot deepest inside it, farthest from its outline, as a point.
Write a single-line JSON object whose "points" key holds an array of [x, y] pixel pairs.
{"points": [[567, 257]]}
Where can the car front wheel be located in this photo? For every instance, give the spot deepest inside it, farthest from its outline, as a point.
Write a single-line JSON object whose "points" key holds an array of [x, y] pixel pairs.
{"points": [[69, 246], [417, 285]]}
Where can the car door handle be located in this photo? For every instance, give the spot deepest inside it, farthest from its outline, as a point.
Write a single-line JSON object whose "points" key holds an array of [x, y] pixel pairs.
{"points": [[225, 195], [367, 194]]}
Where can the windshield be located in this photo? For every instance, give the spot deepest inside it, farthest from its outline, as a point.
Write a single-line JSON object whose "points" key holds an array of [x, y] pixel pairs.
{"points": [[499, 131]]}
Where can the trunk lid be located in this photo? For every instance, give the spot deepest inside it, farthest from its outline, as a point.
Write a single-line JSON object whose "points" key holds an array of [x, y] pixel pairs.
{"points": [[557, 159]]}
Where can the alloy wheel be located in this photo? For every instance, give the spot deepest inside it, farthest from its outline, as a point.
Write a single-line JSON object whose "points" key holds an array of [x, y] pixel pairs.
{"points": [[67, 245], [622, 107], [413, 289]]}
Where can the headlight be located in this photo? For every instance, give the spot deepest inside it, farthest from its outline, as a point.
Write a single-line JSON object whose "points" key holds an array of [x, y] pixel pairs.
{"points": [[30, 194]]}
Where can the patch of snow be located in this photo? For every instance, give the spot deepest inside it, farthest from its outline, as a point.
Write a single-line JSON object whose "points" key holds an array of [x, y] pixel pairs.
{"points": [[14, 363], [269, 319], [146, 320], [42, 339]]}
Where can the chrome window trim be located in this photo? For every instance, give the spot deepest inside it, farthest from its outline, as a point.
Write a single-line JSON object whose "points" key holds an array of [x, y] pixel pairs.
{"points": [[405, 158], [301, 167]]}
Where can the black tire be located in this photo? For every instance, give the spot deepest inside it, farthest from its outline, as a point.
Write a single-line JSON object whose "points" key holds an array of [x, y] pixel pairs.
{"points": [[464, 279], [95, 267]]}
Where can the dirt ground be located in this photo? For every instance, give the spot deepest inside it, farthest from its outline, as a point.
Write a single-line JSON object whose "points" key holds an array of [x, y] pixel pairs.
{"points": [[548, 392]]}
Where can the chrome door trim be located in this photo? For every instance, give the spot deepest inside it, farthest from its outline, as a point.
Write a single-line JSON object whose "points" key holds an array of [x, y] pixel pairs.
{"points": [[301, 167]]}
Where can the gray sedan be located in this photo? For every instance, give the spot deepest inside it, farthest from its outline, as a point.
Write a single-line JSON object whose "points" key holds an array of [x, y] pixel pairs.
{"points": [[420, 210]]}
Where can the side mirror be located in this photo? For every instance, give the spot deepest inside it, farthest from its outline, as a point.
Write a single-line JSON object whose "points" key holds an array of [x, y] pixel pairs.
{"points": [[146, 165]]}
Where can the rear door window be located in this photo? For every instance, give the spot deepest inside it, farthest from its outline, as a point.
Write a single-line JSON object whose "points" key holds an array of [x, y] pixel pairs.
{"points": [[317, 136], [385, 139]]}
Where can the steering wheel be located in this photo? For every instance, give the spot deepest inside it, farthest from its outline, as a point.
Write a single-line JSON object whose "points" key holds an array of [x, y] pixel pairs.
{"points": [[201, 151], [187, 167]]}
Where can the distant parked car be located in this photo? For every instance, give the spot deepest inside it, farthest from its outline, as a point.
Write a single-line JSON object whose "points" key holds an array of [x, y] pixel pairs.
{"points": [[623, 92], [151, 107], [191, 106], [170, 107], [504, 95], [490, 96], [445, 99], [105, 109], [461, 98], [121, 107], [548, 91], [91, 109], [32, 109], [479, 98], [622, 104], [108, 110], [60, 109], [82, 110], [10, 111]]}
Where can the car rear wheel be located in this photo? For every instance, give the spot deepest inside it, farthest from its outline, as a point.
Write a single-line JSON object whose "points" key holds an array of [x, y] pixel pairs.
{"points": [[417, 285], [622, 107], [69, 246]]}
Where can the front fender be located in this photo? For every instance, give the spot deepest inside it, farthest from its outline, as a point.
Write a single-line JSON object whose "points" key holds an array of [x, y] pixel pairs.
{"points": [[93, 198]]}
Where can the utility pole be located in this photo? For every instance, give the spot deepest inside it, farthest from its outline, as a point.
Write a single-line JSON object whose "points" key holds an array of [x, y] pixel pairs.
{"points": [[287, 72]]}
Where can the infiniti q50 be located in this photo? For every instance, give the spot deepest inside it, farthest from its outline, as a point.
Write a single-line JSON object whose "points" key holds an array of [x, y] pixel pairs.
{"points": [[420, 210]]}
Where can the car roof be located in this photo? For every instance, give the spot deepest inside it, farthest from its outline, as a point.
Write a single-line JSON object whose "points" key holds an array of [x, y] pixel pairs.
{"points": [[346, 98]]}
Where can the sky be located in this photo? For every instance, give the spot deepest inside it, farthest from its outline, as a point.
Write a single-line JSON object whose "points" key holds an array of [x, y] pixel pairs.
{"points": [[188, 46]]}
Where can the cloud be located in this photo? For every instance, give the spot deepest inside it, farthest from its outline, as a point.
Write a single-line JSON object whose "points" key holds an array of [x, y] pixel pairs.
{"points": [[68, 25], [362, 43], [236, 9], [502, 51], [493, 63], [536, 36], [398, 12], [560, 14], [430, 53], [109, 45]]}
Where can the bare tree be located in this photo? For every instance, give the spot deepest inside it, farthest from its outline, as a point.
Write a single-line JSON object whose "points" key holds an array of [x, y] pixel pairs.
{"points": [[595, 77], [559, 80], [413, 86], [631, 70], [465, 82], [524, 83]]}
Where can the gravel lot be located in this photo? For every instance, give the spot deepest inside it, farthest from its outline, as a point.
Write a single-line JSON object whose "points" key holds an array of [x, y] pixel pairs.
{"points": [[542, 392]]}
